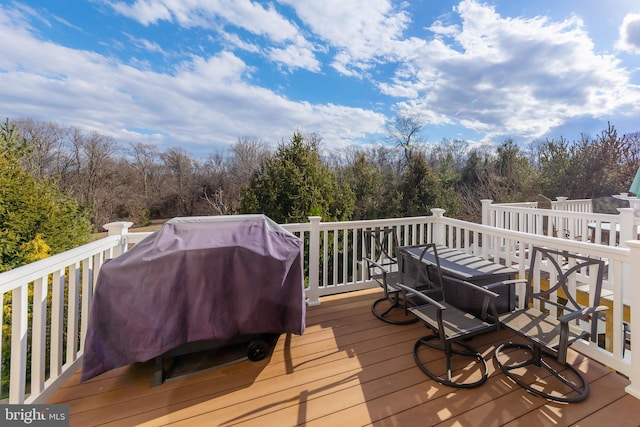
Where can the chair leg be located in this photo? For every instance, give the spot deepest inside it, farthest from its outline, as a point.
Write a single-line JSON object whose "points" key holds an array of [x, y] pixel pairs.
{"points": [[388, 315], [581, 387], [449, 352]]}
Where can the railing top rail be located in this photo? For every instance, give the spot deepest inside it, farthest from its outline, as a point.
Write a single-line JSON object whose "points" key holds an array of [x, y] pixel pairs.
{"points": [[341, 225], [376, 222], [611, 252], [560, 213], [27, 273], [515, 205], [569, 202], [138, 236]]}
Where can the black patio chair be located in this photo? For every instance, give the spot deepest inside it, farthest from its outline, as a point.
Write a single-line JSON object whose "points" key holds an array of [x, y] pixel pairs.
{"points": [[383, 267], [549, 336], [452, 328], [381, 245]]}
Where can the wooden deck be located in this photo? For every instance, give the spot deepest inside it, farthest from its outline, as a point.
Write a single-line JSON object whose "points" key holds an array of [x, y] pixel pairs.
{"points": [[348, 369]]}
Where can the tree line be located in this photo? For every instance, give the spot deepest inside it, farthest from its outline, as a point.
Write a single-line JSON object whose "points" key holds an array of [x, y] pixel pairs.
{"points": [[99, 180]]}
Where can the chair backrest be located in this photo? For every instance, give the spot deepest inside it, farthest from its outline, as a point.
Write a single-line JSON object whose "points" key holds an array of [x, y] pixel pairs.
{"points": [[565, 271], [423, 276], [381, 245], [608, 205]]}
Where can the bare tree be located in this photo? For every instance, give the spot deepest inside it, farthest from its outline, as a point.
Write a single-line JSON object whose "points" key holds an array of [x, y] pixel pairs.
{"points": [[180, 180], [216, 184], [404, 132], [48, 143], [145, 159], [246, 157]]}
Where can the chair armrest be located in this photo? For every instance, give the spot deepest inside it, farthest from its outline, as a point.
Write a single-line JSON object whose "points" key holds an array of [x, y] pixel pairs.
{"points": [[585, 312], [369, 262], [371, 265], [504, 282], [427, 300]]}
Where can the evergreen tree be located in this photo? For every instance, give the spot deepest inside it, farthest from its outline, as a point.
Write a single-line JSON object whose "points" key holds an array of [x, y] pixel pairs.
{"points": [[36, 219], [420, 188], [295, 183]]}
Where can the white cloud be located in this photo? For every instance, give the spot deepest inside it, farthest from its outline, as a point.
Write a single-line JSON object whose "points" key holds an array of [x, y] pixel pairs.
{"points": [[295, 57], [235, 41], [512, 76], [630, 34], [144, 44], [440, 28], [491, 74], [205, 102], [225, 16], [144, 11], [361, 31], [248, 15]]}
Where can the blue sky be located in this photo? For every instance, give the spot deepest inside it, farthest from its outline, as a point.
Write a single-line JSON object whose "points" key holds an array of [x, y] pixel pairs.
{"points": [[199, 74]]}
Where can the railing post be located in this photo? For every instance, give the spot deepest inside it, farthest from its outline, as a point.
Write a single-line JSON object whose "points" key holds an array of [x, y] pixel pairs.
{"points": [[486, 205], [119, 228], [627, 225], [563, 225], [634, 388], [438, 226], [313, 292], [561, 205]]}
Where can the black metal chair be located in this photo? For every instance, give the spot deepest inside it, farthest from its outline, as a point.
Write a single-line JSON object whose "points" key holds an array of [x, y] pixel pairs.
{"points": [[381, 245], [452, 327], [549, 335], [382, 266]]}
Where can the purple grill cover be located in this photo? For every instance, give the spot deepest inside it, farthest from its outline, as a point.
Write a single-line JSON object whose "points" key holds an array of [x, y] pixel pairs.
{"points": [[197, 278]]}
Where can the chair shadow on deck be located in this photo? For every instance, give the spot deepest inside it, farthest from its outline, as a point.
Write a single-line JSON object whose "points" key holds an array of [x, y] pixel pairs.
{"points": [[348, 368]]}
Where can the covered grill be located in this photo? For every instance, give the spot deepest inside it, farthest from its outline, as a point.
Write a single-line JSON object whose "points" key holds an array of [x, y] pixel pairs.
{"points": [[195, 279]]}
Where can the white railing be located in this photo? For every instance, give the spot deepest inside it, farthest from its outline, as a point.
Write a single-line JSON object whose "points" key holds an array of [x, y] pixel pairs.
{"points": [[335, 251], [57, 291], [570, 219]]}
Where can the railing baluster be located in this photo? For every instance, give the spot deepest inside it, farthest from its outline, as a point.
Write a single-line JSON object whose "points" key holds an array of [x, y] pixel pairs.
{"points": [[39, 334], [86, 291], [19, 331], [345, 256], [335, 251], [72, 313], [57, 313], [2, 295]]}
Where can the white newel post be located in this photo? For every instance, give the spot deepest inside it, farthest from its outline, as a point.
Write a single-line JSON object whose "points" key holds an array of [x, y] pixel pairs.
{"points": [[563, 225], [438, 226], [562, 203], [627, 226], [634, 388], [313, 292], [486, 205], [119, 228]]}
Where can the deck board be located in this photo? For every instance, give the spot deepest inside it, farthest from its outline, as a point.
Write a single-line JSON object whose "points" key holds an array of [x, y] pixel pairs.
{"points": [[347, 369]]}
